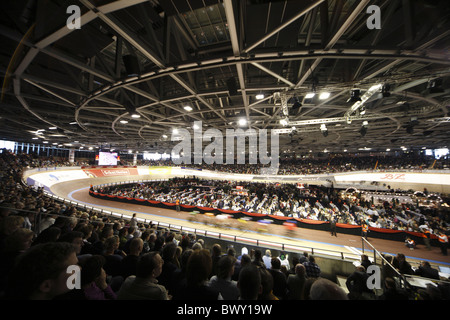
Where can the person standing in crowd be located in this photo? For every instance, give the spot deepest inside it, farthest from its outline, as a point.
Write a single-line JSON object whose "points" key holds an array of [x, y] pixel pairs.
{"points": [[133, 221], [249, 283], [333, 226], [427, 238], [296, 283], [312, 268], [364, 230], [443, 242]]}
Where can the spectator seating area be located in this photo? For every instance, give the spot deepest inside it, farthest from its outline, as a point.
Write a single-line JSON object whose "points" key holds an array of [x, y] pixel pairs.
{"points": [[286, 200], [124, 259]]}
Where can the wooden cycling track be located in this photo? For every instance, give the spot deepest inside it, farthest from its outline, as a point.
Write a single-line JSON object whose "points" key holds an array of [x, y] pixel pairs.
{"points": [[77, 190]]}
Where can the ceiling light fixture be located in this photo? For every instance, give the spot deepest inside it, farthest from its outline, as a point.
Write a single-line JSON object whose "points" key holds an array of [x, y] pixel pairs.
{"points": [[324, 129], [324, 95], [242, 122], [363, 129]]}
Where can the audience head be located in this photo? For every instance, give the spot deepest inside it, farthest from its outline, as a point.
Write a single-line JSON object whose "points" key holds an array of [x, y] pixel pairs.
{"points": [[249, 282], [275, 263], [149, 265], [50, 234], [225, 267], [112, 243], [324, 289], [73, 237], [41, 272], [199, 267], [19, 241], [91, 269], [300, 270], [136, 246]]}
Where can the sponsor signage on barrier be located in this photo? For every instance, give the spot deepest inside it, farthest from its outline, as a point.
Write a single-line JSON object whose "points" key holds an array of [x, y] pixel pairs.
{"points": [[403, 177], [160, 170], [110, 171], [49, 178]]}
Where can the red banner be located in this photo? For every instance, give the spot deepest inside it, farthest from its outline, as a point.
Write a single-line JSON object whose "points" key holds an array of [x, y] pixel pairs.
{"points": [[110, 171]]}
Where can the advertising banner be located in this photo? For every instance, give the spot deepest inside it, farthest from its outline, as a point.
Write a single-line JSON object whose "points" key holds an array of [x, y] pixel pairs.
{"points": [[110, 171]]}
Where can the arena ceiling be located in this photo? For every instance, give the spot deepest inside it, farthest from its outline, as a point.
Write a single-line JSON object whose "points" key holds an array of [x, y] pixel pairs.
{"points": [[173, 62]]}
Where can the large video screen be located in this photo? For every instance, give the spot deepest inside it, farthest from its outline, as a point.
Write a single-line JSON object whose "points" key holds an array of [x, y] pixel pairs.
{"points": [[107, 158]]}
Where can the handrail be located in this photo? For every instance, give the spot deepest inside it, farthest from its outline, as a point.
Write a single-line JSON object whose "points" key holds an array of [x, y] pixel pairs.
{"points": [[375, 251], [364, 240], [402, 277]]}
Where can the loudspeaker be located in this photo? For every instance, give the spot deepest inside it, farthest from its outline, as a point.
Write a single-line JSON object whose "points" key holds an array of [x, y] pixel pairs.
{"points": [[232, 87], [131, 65]]}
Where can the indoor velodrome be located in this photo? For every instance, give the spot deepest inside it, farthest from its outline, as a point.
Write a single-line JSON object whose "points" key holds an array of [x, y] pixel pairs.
{"points": [[226, 150]]}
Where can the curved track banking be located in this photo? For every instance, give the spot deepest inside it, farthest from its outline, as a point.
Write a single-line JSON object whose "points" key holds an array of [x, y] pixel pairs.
{"points": [[77, 190]]}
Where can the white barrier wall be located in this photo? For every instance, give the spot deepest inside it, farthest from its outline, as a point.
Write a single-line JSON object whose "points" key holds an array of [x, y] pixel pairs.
{"points": [[433, 181], [436, 182]]}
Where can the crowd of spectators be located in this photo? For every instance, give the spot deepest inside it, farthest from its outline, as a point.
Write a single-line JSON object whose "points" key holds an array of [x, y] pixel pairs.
{"points": [[312, 202], [331, 163], [322, 165], [124, 259]]}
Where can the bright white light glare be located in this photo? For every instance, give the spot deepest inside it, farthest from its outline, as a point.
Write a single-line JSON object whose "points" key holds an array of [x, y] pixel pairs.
{"points": [[123, 121], [188, 108], [53, 128], [195, 127], [324, 95], [259, 96], [323, 127], [242, 122], [175, 131], [135, 115], [310, 95], [375, 87], [284, 122]]}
